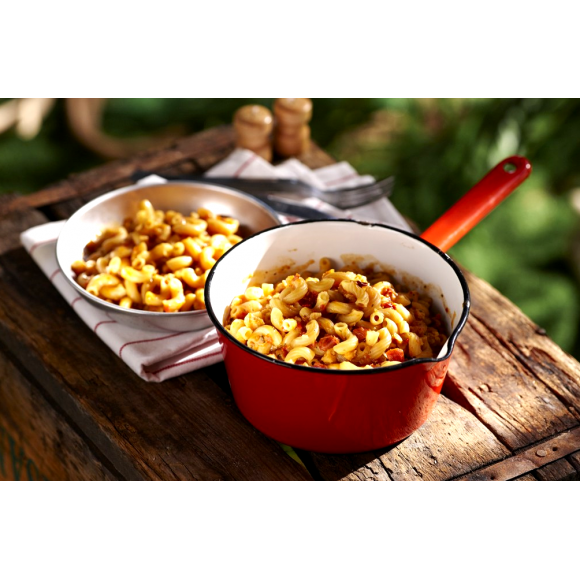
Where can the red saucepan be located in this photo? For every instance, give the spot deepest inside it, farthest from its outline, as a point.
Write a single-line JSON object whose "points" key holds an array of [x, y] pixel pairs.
{"points": [[334, 411]]}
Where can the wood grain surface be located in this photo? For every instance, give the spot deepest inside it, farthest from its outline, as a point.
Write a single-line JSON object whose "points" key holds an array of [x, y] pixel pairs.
{"points": [[187, 428], [574, 459], [509, 387], [452, 442], [561, 470], [36, 441], [183, 428], [519, 383], [533, 458]]}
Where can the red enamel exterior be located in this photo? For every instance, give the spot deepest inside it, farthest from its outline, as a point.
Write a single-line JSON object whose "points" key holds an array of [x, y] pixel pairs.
{"points": [[332, 413]]}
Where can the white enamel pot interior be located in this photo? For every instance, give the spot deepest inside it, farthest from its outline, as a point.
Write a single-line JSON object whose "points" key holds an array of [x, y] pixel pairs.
{"points": [[274, 254]]}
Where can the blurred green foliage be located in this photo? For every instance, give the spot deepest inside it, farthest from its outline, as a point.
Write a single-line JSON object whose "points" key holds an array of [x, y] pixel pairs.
{"points": [[436, 148]]}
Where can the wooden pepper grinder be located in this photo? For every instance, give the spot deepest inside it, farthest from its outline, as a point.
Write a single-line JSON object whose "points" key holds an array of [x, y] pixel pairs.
{"points": [[253, 127], [292, 132]]}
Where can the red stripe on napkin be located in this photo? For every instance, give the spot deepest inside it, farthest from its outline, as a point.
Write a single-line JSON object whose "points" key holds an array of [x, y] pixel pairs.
{"points": [[146, 340], [104, 322], [38, 244], [245, 165], [186, 362]]}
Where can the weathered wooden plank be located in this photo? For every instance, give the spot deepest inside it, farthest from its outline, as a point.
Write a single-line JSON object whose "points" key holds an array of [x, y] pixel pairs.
{"points": [[515, 380], [213, 152], [192, 154], [452, 442], [560, 470], [574, 459], [534, 457], [212, 144], [195, 154], [19, 221], [532, 348], [186, 428], [36, 442]]}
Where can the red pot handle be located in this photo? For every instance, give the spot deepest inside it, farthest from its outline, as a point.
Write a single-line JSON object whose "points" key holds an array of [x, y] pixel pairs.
{"points": [[480, 200]]}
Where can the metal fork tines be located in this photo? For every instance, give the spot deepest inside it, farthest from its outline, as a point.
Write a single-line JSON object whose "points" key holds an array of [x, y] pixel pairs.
{"points": [[264, 188], [341, 198], [356, 196]]}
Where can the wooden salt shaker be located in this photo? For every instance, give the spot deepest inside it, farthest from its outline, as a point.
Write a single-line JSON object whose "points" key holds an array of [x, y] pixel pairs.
{"points": [[253, 127], [292, 132]]}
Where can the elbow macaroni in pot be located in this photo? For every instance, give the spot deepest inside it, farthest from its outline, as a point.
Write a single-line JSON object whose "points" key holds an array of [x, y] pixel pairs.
{"points": [[341, 320]]}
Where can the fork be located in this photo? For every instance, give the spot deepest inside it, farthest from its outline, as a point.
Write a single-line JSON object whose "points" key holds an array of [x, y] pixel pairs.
{"points": [[264, 188]]}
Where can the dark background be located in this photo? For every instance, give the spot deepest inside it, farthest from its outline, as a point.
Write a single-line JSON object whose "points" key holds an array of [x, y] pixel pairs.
{"points": [[529, 248]]}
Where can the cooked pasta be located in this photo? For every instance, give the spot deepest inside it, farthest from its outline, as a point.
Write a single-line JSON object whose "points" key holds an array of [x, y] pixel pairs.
{"points": [[341, 320], [159, 261]]}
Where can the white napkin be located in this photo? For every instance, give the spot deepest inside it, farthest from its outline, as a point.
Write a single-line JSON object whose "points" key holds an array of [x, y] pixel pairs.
{"points": [[157, 356], [246, 164]]}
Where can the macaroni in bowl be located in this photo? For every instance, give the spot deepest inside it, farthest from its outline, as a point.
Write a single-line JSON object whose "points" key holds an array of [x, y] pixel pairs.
{"points": [[339, 320], [156, 261]]}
